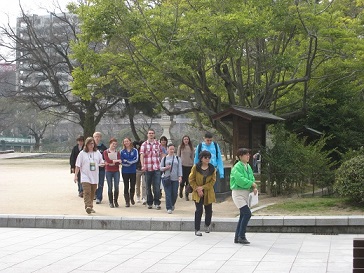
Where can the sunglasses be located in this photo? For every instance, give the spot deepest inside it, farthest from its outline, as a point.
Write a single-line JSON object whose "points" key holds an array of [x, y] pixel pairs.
{"points": [[207, 157]]}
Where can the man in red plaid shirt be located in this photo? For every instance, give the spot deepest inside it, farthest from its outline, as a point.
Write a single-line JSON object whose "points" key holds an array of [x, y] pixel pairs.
{"points": [[150, 156]]}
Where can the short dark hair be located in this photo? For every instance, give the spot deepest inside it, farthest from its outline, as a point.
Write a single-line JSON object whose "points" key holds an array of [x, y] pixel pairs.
{"points": [[203, 154], [170, 144], [242, 151], [208, 135], [163, 138], [80, 138]]}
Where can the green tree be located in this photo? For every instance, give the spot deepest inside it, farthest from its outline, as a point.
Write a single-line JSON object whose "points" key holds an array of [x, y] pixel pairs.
{"points": [[259, 54]]}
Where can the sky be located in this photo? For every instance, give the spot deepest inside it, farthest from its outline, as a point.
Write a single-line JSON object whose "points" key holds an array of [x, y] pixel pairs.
{"points": [[11, 8]]}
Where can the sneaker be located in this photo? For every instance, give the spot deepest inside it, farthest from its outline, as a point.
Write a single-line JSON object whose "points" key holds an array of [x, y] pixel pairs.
{"points": [[93, 211], [150, 206], [180, 194], [235, 240], [138, 199], [169, 211], [116, 204], [98, 201], [243, 241], [207, 229], [198, 233], [88, 210], [144, 201], [158, 207], [80, 194], [111, 205]]}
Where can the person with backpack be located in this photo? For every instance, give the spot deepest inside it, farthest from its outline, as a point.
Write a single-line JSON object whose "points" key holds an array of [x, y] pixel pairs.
{"points": [[171, 166], [216, 159]]}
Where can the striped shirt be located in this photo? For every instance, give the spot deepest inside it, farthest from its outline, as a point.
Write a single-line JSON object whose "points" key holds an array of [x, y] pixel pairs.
{"points": [[152, 152]]}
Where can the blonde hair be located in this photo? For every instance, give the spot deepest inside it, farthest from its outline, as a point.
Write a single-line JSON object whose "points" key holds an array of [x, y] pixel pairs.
{"points": [[97, 134]]}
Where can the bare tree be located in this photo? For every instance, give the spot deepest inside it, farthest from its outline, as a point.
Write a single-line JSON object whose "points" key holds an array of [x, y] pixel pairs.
{"points": [[44, 67]]}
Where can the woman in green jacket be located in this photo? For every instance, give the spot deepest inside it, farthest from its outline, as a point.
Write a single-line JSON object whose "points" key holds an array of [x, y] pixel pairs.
{"points": [[241, 181], [202, 179]]}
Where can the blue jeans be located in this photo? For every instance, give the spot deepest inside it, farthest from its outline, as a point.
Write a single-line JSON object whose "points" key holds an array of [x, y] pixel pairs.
{"points": [[109, 177], [100, 186], [171, 192], [153, 182], [244, 218], [79, 184]]}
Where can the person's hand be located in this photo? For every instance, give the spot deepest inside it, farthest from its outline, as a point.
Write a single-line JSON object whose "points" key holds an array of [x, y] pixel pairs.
{"points": [[180, 179], [199, 191], [75, 179], [72, 170], [102, 164], [144, 168]]}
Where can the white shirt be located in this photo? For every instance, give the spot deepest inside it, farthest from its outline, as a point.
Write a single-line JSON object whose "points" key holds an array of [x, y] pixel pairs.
{"points": [[84, 160]]}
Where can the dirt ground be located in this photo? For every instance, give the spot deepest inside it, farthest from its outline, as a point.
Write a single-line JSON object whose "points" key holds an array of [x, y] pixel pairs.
{"points": [[39, 186], [42, 186]]}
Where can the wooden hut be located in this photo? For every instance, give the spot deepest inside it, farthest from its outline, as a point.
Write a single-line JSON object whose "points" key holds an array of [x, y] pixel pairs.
{"points": [[249, 126]]}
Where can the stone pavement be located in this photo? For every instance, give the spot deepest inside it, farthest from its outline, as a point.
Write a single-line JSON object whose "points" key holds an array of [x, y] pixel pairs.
{"points": [[65, 250]]}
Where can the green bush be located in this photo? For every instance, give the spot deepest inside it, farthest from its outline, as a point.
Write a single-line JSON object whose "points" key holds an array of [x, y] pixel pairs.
{"points": [[292, 164], [349, 179]]}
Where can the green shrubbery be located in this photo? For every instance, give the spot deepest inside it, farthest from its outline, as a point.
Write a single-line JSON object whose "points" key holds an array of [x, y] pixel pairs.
{"points": [[349, 179], [292, 165]]}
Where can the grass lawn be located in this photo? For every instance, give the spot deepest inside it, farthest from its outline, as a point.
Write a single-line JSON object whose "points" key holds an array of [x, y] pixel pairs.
{"points": [[312, 206]]}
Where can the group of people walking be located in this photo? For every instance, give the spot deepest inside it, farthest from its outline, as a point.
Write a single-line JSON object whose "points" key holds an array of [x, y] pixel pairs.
{"points": [[181, 171]]}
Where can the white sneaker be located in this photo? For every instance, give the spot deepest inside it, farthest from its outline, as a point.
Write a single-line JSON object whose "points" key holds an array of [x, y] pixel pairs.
{"points": [[138, 199], [169, 211], [144, 201]]}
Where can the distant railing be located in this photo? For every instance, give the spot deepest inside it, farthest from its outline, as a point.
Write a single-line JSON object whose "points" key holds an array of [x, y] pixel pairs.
{"points": [[18, 140]]}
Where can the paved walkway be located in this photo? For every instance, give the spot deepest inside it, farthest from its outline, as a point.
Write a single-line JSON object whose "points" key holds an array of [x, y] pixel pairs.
{"points": [[44, 187], [55, 250]]}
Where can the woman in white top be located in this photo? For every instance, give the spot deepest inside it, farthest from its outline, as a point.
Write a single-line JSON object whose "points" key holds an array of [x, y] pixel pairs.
{"points": [[88, 162]]}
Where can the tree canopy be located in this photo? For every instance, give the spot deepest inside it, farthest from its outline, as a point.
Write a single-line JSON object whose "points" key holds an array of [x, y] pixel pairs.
{"points": [[263, 54]]}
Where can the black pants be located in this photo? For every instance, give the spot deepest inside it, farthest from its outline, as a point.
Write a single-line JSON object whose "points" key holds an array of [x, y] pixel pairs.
{"points": [[185, 174], [199, 211], [129, 178]]}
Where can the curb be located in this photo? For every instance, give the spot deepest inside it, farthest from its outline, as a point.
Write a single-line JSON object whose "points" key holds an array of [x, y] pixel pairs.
{"points": [[276, 224]]}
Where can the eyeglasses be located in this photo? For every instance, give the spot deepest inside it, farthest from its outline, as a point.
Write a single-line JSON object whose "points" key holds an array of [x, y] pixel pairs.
{"points": [[207, 157]]}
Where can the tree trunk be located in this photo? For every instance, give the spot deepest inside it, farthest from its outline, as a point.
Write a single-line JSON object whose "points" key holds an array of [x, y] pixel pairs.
{"points": [[88, 124]]}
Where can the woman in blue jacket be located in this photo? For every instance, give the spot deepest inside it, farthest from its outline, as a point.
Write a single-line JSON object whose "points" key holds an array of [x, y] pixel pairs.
{"points": [[241, 181], [129, 159]]}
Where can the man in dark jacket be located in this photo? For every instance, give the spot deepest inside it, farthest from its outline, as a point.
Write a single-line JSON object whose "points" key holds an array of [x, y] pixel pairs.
{"points": [[75, 151]]}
